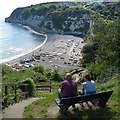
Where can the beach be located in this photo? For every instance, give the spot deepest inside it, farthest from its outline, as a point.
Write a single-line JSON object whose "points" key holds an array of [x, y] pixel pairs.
{"points": [[57, 51]]}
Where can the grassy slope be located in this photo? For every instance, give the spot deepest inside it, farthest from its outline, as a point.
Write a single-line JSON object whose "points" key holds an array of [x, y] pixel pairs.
{"points": [[39, 108]]}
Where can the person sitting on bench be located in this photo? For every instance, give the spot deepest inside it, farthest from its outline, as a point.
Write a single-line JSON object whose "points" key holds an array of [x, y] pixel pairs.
{"points": [[68, 87], [88, 87]]}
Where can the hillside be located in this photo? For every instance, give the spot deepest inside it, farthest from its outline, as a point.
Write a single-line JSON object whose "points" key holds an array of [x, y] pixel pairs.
{"points": [[62, 17], [53, 18]]}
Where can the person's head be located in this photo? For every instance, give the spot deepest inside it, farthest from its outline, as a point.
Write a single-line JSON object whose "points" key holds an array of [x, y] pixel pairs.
{"points": [[68, 76], [87, 77]]}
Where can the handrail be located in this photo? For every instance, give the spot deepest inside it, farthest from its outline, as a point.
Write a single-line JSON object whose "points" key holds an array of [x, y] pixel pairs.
{"points": [[9, 84], [12, 92]]}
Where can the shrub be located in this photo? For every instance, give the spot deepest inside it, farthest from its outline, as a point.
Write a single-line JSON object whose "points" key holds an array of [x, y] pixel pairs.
{"points": [[55, 76], [31, 86], [89, 53], [39, 69]]}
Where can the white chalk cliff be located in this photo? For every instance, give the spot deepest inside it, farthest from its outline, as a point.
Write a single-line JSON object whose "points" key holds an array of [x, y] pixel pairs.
{"points": [[65, 22]]}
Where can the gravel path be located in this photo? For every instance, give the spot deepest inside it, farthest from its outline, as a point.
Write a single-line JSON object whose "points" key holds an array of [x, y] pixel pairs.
{"points": [[16, 110]]}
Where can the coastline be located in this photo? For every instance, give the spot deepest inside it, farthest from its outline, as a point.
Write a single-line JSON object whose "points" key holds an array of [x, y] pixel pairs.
{"points": [[23, 54], [28, 52], [54, 52]]}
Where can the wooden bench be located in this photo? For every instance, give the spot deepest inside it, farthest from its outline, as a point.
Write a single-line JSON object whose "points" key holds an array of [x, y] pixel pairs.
{"points": [[99, 99]]}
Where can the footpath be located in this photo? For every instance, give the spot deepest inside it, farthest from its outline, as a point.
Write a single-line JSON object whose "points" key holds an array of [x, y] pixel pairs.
{"points": [[16, 110]]}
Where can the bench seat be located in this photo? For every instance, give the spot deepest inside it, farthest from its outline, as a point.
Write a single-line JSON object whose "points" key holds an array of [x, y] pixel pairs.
{"points": [[99, 99]]}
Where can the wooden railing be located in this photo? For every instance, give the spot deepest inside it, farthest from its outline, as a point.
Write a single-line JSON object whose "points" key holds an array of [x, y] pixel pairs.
{"points": [[42, 88], [13, 93]]}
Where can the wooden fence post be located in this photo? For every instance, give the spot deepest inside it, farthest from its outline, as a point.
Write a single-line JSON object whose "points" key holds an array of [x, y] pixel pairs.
{"points": [[50, 86], [26, 95], [6, 95], [15, 93]]}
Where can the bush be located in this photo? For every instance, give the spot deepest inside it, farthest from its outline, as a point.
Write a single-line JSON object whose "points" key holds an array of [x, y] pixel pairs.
{"points": [[89, 53], [39, 69], [31, 86], [55, 76]]}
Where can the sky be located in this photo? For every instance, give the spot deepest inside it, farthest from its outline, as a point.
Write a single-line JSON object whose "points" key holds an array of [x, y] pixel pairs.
{"points": [[7, 6]]}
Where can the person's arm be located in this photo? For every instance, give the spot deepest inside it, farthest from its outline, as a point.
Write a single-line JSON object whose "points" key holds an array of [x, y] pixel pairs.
{"points": [[83, 87], [77, 88], [62, 87]]}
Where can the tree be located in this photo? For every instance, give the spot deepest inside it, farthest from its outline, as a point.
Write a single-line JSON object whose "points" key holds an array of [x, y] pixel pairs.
{"points": [[52, 7], [89, 52]]}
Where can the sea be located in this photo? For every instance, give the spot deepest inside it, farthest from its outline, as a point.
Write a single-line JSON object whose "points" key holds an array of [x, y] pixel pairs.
{"points": [[16, 40]]}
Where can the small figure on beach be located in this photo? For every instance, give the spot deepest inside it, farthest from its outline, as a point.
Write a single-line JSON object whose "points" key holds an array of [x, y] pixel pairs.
{"points": [[68, 87], [88, 86]]}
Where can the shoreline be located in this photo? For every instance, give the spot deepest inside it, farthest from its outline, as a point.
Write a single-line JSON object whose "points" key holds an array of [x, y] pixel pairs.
{"points": [[57, 51], [23, 54], [2, 61]]}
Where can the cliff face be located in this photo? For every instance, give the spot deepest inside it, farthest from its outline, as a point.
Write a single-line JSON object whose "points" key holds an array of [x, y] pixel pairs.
{"points": [[53, 18]]}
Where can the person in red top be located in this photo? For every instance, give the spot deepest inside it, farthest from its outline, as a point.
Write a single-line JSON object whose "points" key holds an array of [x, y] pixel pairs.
{"points": [[68, 87]]}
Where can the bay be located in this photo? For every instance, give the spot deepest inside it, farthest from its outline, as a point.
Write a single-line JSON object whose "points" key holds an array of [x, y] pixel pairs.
{"points": [[17, 39]]}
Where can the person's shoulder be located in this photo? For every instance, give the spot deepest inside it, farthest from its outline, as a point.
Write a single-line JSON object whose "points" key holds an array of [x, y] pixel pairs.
{"points": [[84, 83], [74, 81], [64, 81], [92, 81]]}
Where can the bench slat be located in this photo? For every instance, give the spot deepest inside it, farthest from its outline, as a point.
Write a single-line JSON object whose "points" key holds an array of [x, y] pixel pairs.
{"points": [[101, 97], [86, 97]]}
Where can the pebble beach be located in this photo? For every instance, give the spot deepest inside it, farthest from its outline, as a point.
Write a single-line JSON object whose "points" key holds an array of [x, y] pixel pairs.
{"points": [[57, 51]]}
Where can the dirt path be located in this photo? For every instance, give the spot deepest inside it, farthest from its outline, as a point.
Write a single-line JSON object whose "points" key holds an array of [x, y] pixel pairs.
{"points": [[16, 110], [53, 111]]}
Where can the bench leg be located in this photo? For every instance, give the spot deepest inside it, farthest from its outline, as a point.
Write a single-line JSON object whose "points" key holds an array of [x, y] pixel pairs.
{"points": [[103, 100], [63, 110]]}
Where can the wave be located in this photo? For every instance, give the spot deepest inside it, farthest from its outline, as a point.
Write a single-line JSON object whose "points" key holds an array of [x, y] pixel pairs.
{"points": [[14, 49]]}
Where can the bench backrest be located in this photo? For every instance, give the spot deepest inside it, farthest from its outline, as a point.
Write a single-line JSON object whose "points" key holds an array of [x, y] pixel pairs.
{"points": [[101, 96]]}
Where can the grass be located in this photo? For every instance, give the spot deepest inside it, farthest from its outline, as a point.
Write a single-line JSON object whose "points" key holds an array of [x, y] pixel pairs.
{"points": [[38, 109]]}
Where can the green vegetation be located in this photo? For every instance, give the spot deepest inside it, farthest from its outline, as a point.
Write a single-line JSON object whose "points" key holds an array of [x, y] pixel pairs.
{"points": [[101, 54], [100, 57], [36, 75], [39, 108]]}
